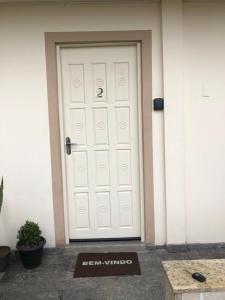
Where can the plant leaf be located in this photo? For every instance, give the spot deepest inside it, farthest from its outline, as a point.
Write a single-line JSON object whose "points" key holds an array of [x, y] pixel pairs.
{"points": [[1, 193]]}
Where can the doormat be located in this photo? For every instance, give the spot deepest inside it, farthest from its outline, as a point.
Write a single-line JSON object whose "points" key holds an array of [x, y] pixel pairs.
{"points": [[107, 264]]}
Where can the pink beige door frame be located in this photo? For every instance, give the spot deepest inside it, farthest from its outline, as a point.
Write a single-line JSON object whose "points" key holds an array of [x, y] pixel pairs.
{"points": [[54, 39]]}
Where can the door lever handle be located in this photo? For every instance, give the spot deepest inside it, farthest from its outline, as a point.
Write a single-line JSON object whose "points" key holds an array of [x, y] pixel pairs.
{"points": [[68, 145]]}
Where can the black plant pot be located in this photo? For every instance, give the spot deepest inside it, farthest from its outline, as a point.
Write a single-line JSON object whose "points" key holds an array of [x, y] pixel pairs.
{"points": [[31, 257], [4, 257]]}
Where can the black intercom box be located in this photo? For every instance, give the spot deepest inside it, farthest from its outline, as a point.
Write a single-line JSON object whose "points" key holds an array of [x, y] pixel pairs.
{"points": [[158, 104]]}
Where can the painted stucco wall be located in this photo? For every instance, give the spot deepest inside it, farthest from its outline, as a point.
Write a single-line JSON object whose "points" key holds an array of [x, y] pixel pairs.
{"points": [[24, 134], [204, 73]]}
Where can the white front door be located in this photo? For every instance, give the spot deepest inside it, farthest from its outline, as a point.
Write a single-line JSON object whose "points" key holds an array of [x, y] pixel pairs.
{"points": [[100, 116]]}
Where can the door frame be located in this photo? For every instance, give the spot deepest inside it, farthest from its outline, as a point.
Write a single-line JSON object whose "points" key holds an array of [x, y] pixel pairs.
{"points": [[139, 121], [54, 40]]}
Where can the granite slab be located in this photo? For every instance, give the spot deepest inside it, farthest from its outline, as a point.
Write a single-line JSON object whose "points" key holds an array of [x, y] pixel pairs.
{"points": [[179, 275]]}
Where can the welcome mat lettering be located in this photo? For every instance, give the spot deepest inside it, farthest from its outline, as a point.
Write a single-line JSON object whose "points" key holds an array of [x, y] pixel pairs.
{"points": [[107, 264]]}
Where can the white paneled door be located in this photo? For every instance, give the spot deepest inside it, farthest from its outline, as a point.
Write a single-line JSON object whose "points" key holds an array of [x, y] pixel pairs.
{"points": [[100, 119]]}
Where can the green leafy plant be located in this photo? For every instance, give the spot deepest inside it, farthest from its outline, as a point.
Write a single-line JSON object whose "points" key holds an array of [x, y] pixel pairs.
{"points": [[1, 193], [29, 235]]}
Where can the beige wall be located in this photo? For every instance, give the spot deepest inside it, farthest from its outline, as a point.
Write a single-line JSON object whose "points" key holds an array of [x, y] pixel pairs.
{"points": [[194, 91], [24, 135], [25, 152], [204, 74]]}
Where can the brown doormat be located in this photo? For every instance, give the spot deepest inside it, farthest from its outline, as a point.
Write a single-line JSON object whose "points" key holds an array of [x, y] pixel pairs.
{"points": [[107, 264]]}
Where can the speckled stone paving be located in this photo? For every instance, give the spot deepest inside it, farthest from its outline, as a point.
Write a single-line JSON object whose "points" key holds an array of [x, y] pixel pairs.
{"points": [[54, 278], [179, 275]]}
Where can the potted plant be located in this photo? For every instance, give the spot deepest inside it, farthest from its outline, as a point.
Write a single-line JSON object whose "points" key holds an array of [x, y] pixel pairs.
{"points": [[30, 244], [4, 250]]}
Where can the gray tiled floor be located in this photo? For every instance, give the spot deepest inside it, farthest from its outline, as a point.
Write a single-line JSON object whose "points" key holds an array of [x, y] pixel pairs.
{"points": [[54, 278]]}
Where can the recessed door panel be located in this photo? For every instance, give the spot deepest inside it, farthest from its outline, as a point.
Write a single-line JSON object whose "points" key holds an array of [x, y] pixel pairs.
{"points": [[126, 209], [103, 210], [80, 169], [122, 80], [78, 126], [124, 167], [99, 78], [101, 126], [102, 168], [81, 210], [77, 83], [123, 125]]}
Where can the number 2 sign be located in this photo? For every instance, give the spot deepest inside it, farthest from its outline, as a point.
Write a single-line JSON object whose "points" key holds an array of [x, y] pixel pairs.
{"points": [[99, 92]]}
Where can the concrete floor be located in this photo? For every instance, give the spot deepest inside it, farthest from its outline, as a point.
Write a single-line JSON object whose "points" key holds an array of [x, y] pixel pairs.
{"points": [[54, 278]]}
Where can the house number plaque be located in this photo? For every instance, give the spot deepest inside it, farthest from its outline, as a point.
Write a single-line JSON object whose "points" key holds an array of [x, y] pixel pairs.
{"points": [[99, 92]]}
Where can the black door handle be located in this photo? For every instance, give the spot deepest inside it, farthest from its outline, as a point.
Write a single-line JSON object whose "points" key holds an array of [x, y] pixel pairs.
{"points": [[68, 145]]}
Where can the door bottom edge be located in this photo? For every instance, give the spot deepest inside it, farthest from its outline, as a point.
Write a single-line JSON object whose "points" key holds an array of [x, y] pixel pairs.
{"points": [[105, 239]]}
